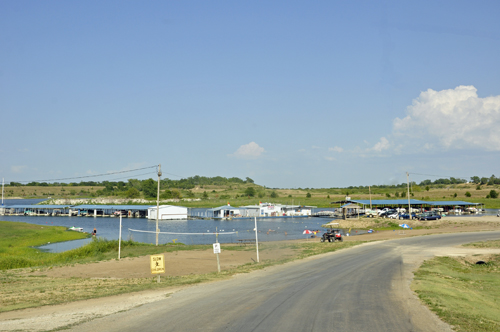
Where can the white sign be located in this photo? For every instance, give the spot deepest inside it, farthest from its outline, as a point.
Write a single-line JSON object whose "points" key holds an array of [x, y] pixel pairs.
{"points": [[216, 248]]}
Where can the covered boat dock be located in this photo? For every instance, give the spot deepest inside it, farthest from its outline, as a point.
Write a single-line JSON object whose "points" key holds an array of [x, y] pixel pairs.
{"points": [[416, 204]]}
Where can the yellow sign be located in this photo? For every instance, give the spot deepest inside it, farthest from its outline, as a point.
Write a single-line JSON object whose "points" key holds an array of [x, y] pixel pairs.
{"points": [[157, 264]]}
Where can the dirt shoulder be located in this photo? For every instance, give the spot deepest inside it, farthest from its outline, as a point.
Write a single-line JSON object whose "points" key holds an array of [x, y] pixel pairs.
{"points": [[185, 263]]}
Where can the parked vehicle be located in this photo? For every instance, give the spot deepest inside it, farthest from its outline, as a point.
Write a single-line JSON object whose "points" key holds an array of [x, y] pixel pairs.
{"points": [[406, 216], [387, 213], [332, 235], [394, 215], [370, 213], [428, 216]]}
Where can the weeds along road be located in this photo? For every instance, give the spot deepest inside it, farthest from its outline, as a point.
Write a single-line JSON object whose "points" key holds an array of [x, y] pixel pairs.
{"points": [[365, 288]]}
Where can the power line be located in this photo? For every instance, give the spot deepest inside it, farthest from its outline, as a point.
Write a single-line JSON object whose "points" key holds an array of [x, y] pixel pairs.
{"points": [[89, 176], [441, 176]]}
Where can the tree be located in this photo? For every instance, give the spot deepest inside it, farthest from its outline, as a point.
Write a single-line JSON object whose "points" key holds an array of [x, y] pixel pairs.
{"points": [[475, 179], [274, 194], [205, 195], [427, 188], [149, 188], [250, 191], [308, 195], [387, 195], [396, 194], [467, 194], [493, 194], [248, 180], [132, 193]]}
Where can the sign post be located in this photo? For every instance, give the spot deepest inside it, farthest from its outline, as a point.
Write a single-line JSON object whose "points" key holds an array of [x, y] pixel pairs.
{"points": [[157, 265], [119, 238], [256, 240], [217, 249]]}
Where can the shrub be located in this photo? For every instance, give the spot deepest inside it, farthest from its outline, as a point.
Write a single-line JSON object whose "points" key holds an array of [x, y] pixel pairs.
{"points": [[250, 191], [387, 195], [274, 194], [308, 195], [467, 194], [493, 194]]}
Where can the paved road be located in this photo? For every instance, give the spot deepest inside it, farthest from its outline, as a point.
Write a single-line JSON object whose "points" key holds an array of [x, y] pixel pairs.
{"points": [[361, 289]]}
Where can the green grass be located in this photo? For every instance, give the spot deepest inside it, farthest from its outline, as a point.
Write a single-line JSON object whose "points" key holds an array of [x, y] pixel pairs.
{"points": [[484, 244], [466, 296], [17, 240]]}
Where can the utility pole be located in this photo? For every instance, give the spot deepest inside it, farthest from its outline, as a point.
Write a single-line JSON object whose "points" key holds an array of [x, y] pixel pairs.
{"points": [[408, 186], [158, 203], [370, 191]]}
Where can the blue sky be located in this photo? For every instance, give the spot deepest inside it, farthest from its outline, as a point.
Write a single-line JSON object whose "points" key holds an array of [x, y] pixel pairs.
{"points": [[289, 93]]}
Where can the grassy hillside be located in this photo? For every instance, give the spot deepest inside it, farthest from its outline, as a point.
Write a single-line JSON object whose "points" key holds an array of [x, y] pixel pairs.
{"points": [[236, 194]]}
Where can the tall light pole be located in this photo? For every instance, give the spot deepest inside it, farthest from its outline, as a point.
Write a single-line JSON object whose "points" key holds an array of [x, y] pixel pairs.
{"points": [[158, 203]]}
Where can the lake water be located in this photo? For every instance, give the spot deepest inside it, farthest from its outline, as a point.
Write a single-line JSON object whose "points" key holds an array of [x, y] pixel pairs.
{"points": [[108, 228], [268, 229]]}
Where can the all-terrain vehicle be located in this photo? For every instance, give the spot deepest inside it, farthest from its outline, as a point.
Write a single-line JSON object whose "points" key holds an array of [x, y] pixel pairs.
{"points": [[332, 235]]}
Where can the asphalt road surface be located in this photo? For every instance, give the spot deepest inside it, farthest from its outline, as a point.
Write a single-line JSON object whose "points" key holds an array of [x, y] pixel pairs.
{"points": [[365, 288]]}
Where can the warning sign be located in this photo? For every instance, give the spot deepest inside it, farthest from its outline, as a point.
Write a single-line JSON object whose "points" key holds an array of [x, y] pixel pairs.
{"points": [[216, 248], [157, 264]]}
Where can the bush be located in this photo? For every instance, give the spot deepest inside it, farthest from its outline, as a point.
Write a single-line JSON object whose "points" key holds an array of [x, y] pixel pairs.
{"points": [[274, 194], [132, 193], [250, 191], [387, 195], [308, 195], [493, 194], [467, 194]]}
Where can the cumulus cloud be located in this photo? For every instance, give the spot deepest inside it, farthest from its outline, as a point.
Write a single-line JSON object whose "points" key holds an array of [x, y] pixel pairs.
{"points": [[382, 145], [452, 119], [336, 149], [251, 150]]}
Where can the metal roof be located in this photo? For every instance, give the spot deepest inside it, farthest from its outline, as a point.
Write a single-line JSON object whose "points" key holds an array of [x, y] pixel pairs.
{"points": [[40, 207], [227, 207], [462, 203], [111, 207], [405, 202]]}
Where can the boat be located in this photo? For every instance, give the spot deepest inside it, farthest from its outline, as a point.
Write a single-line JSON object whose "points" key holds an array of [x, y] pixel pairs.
{"points": [[76, 229]]}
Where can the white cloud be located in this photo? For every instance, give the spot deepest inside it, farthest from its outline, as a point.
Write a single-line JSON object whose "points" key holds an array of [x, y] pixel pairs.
{"points": [[452, 119], [383, 144], [336, 149], [251, 150], [17, 169]]}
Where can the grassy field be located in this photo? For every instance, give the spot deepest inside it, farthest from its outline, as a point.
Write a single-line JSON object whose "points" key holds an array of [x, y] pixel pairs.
{"points": [[17, 240], [461, 293]]}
